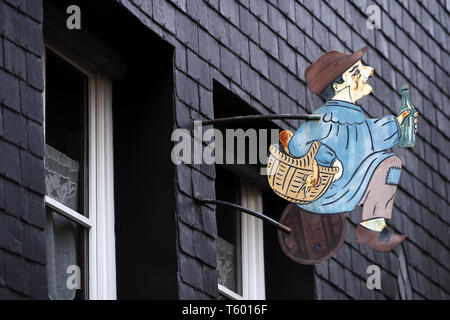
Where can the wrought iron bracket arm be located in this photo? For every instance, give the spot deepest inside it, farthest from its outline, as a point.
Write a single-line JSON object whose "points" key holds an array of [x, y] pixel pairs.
{"points": [[259, 117], [256, 214]]}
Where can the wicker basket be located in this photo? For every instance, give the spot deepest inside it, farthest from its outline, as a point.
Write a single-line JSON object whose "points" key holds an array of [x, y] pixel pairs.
{"points": [[287, 175]]}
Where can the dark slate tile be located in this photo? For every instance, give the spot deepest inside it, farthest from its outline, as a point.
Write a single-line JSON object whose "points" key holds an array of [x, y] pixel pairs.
{"points": [[259, 9], [35, 9], [19, 4], [12, 233], [278, 75], [317, 288], [9, 161], [2, 272], [218, 27], [337, 276], [230, 10], [303, 19], [287, 7], [187, 89], [164, 13], [206, 103], [320, 34], [34, 244], [198, 69], [205, 248], [185, 291], [186, 241], [9, 91], [15, 126], [249, 24], [33, 172], [9, 27], [239, 43], [202, 185], [17, 274], [184, 178], [352, 284], [190, 271], [200, 295], [250, 81], [328, 291], [31, 102], [8, 294], [1, 52], [277, 21], [15, 59], [312, 50], [287, 56], [322, 269], [188, 211], [36, 211], [296, 37], [269, 96], [229, 63], [336, 44], [209, 221], [259, 59], [35, 72], [198, 10], [16, 202], [268, 40], [31, 36], [35, 138], [210, 280], [2, 193], [38, 285], [328, 17], [209, 48]]}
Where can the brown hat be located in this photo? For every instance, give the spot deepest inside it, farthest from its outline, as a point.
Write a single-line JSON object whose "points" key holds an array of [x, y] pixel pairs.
{"points": [[328, 67]]}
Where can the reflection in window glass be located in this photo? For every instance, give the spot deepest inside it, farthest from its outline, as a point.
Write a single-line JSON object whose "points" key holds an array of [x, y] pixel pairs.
{"points": [[228, 242], [65, 177], [65, 247], [65, 132]]}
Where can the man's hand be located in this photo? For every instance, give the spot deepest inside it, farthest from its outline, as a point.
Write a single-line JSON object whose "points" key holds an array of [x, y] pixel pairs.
{"points": [[404, 114], [338, 164]]}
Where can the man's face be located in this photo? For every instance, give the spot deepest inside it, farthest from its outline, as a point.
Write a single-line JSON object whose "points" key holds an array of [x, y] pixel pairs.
{"points": [[355, 78]]}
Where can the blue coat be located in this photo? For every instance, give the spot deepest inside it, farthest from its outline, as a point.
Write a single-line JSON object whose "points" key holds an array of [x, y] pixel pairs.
{"points": [[359, 143]]}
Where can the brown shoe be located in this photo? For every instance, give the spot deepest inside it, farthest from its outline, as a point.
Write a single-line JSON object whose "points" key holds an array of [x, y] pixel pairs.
{"points": [[379, 241]]}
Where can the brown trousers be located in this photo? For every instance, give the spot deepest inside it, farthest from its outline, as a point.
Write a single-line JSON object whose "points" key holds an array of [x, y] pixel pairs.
{"points": [[378, 199]]}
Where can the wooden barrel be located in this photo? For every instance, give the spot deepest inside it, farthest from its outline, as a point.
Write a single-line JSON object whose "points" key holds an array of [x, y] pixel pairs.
{"points": [[314, 237], [287, 175]]}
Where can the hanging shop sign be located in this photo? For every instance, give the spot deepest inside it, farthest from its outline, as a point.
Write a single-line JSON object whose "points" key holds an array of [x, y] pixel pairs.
{"points": [[330, 166], [337, 160]]}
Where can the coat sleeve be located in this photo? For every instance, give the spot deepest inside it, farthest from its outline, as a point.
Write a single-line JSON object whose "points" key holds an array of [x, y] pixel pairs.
{"points": [[384, 132], [306, 134]]}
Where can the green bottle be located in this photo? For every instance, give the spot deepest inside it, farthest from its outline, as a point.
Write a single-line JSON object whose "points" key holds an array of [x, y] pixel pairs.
{"points": [[407, 128]]}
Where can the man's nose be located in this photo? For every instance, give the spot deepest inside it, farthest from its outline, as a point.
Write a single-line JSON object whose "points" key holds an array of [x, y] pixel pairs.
{"points": [[368, 72]]}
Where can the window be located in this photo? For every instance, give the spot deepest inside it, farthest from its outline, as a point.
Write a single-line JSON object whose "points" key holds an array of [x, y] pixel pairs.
{"points": [[240, 252], [79, 179]]}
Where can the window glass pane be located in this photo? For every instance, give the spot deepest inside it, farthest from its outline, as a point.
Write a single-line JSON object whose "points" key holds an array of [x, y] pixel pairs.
{"points": [[228, 228], [65, 130], [65, 257]]}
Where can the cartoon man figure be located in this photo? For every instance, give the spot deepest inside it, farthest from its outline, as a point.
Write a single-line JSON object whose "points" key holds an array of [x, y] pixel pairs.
{"points": [[368, 174]]}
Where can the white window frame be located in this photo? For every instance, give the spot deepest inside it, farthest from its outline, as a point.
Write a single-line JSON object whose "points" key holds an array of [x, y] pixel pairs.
{"points": [[252, 248], [100, 221]]}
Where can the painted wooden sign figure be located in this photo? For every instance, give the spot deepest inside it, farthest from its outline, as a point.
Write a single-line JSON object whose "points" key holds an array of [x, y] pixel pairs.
{"points": [[341, 161]]}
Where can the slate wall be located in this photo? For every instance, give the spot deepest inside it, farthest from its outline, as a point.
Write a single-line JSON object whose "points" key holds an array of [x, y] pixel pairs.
{"points": [[22, 184], [259, 50]]}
